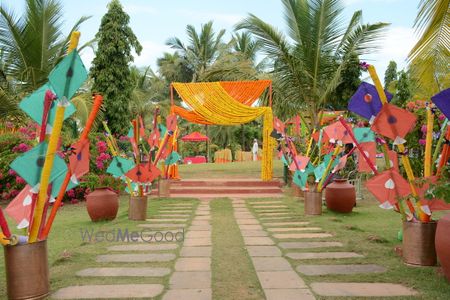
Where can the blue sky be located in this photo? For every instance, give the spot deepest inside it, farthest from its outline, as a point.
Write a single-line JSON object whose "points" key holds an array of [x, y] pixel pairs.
{"points": [[154, 21]]}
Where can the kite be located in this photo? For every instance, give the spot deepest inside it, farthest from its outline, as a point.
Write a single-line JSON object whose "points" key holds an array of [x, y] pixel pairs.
{"points": [[364, 134], [336, 132], [370, 150], [442, 101], [19, 209], [394, 122], [366, 101], [302, 163], [388, 186], [119, 166]]}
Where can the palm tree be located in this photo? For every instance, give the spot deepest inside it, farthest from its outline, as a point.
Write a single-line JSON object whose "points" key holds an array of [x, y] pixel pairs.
{"points": [[430, 57], [32, 44], [307, 63], [202, 50]]}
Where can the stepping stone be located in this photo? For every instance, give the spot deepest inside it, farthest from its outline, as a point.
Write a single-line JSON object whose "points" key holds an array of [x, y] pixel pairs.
{"points": [[124, 272], [247, 221], [201, 251], [258, 241], [166, 220], [278, 218], [169, 215], [163, 225], [280, 280], [178, 204], [265, 211], [145, 247], [263, 251], [301, 235], [190, 280], [148, 257], [200, 228], [361, 289], [323, 255], [202, 213], [312, 270], [271, 264], [200, 222], [308, 245], [286, 224], [175, 209], [112, 291], [250, 227], [202, 241], [278, 229], [203, 218], [288, 294], [198, 234], [193, 264], [188, 294], [266, 202], [246, 233], [269, 206], [243, 216], [267, 214]]}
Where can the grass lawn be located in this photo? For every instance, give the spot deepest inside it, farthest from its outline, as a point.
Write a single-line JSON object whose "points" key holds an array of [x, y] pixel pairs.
{"points": [[370, 231], [248, 169], [68, 253]]}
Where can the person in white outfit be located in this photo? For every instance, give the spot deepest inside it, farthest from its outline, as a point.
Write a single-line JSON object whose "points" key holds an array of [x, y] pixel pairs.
{"points": [[255, 150]]}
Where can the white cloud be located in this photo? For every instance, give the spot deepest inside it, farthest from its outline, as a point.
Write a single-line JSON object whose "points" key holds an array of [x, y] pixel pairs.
{"points": [[150, 52], [203, 16], [396, 46]]}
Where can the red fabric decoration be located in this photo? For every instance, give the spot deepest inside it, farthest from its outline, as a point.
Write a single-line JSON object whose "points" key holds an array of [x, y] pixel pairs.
{"points": [[393, 122]]}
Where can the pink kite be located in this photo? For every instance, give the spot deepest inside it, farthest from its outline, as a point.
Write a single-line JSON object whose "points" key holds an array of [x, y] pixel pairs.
{"points": [[337, 132], [19, 209]]}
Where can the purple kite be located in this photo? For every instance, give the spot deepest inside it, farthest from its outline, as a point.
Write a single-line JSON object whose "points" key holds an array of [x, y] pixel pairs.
{"points": [[366, 102], [442, 101]]}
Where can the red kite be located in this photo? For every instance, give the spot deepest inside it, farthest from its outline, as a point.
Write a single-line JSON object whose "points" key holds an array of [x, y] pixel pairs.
{"points": [[19, 209], [430, 205], [143, 173], [370, 149], [171, 122], [278, 125], [337, 132], [394, 122], [387, 187], [302, 162], [79, 160]]}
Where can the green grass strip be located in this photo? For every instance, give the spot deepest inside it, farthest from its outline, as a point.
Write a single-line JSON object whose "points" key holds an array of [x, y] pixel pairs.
{"points": [[233, 275]]}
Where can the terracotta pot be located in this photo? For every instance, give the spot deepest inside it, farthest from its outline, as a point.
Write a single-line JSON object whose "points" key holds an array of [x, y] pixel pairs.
{"points": [[313, 203], [418, 243], [164, 188], [26, 269], [137, 209], [102, 204], [340, 196], [443, 244]]}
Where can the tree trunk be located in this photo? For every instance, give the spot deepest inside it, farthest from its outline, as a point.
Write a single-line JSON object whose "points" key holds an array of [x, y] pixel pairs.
{"points": [[243, 137]]}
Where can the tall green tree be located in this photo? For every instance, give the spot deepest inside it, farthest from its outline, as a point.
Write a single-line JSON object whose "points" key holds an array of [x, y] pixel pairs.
{"points": [[391, 74], [403, 93], [110, 67], [201, 51], [308, 62], [431, 54]]}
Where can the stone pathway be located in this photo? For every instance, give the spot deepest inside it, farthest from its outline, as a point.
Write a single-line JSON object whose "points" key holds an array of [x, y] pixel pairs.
{"points": [[288, 234], [192, 277], [159, 243], [278, 279]]}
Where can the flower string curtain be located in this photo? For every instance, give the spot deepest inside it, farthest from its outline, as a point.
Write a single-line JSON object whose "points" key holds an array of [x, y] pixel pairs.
{"points": [[212, 103]]}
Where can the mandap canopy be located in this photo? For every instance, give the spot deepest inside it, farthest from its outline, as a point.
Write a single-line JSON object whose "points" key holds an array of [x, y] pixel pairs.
{"points": [[228, 103], [195, 137]]}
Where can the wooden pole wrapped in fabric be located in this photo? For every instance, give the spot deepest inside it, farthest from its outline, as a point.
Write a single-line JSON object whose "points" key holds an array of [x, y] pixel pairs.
{"points": [[4, 225], [98, 100], [439, 144], [445, 155], [327, 170], [429, 142], [46, 170]]}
